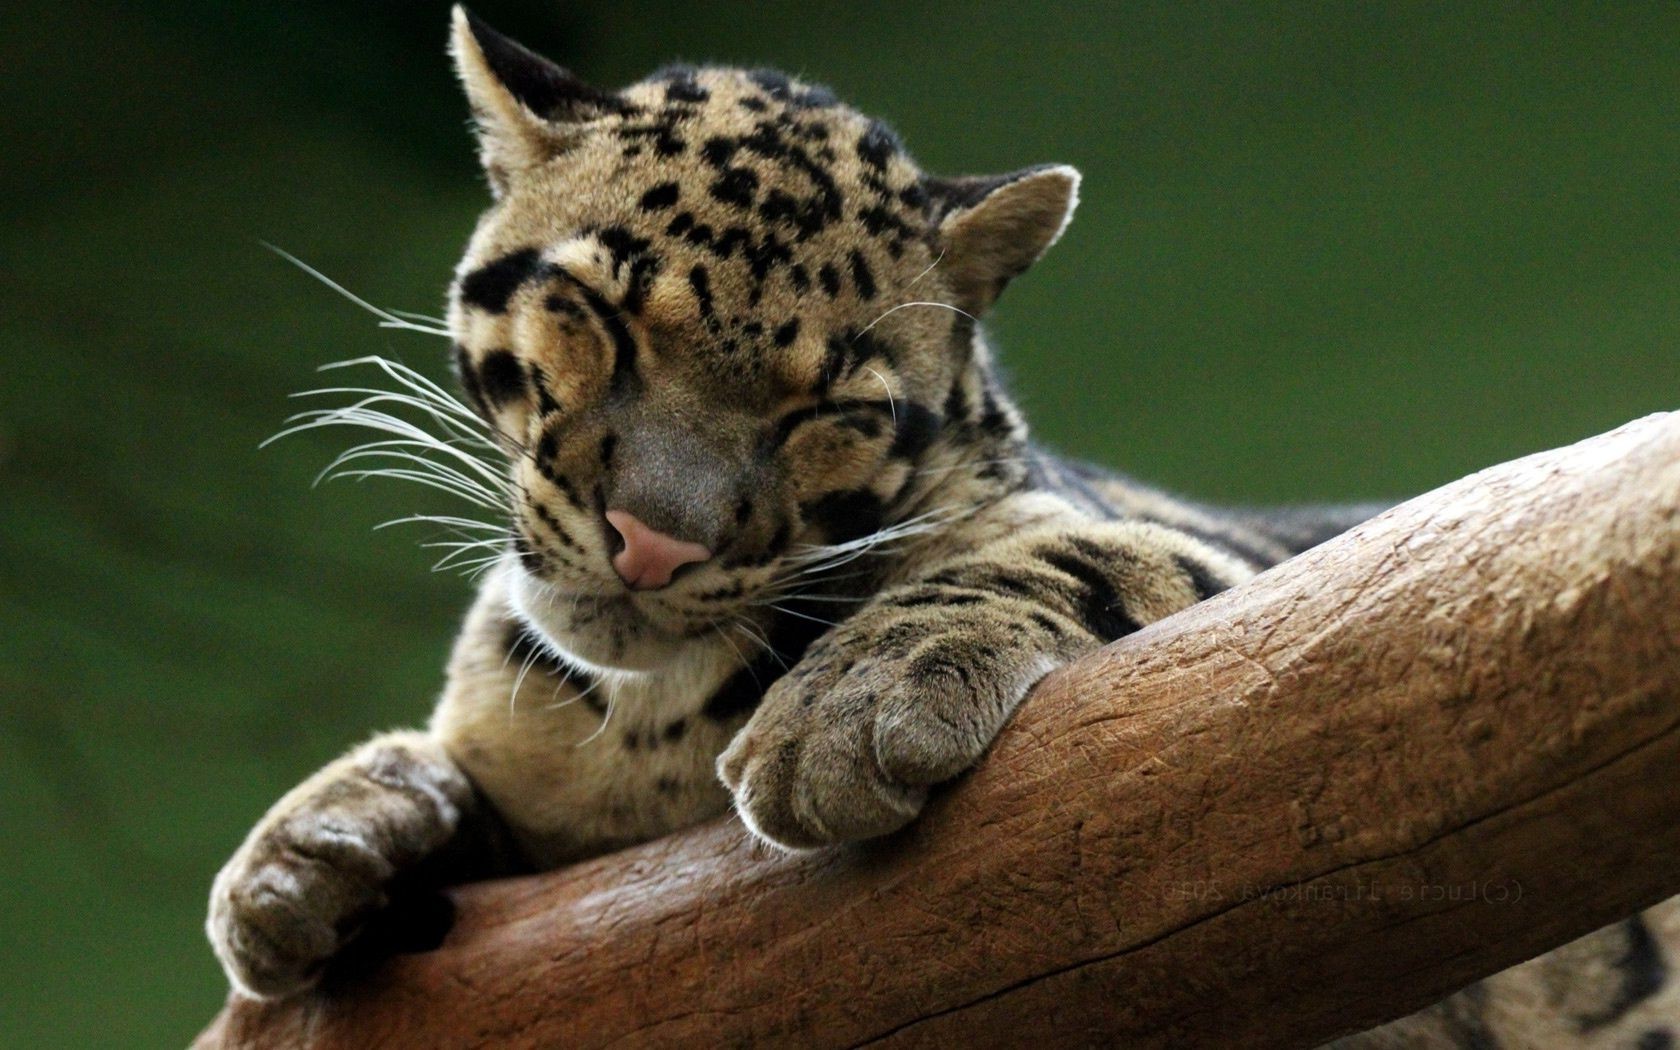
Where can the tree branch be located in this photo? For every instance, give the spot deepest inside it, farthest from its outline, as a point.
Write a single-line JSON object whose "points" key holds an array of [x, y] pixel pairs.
{"points": [[1411, 757]]}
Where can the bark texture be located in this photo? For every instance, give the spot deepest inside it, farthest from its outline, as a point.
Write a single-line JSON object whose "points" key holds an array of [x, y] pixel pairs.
{"points": [[1422, 752]]}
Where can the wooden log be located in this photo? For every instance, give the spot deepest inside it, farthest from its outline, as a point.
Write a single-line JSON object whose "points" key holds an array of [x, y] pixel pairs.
{"points": [[1411, 757]]}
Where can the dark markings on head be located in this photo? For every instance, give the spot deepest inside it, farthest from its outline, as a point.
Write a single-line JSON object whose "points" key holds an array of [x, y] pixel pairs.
{"points": [[878, 145], [624, 344], [1655, 1039], [561, 536], [918, 426], [861, 276], [559, 304], [659, 197], [701, 284], [491, 286], [502, 377], [786, 332], [829, 278], [609, 444], [830, 410], [736, 187], [846, 515], [681, 85], [468, 376]]}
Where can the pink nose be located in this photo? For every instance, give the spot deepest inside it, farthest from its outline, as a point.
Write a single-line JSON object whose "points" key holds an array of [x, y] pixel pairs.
{"points": [[649, 557]]}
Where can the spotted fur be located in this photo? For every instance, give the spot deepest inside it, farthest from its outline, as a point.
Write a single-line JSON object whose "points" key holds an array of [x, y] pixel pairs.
{"points": [[725, 302]]}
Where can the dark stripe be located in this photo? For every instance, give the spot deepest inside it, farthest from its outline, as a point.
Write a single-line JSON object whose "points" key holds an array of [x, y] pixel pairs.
{"points": [[1099, 607], [502, 377], [491, 286], [659, 197], [1202, 579], [861, 276], [791, 421], [1642, 970]]}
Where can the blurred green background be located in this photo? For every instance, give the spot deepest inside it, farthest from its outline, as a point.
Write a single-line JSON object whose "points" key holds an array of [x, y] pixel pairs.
{"points": [[1325, 251]]}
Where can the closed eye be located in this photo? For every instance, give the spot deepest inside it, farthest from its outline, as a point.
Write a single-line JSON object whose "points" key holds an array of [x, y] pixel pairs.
{"points": [[826, 410]]}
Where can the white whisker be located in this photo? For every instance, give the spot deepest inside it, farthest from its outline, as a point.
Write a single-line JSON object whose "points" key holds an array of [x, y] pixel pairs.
{"points": [[904, 306], [386, 317], [892, 405], [914, 279]]}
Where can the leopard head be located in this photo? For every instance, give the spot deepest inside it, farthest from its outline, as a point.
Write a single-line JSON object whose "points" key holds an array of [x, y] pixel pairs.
{"points": [[724, 324]]}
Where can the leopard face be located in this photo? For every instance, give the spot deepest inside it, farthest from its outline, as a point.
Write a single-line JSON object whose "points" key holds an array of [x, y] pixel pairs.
{"points": [[721, 306]]}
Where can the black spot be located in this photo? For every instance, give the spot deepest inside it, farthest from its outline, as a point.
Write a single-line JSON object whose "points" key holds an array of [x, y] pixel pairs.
{"points": [[754, 104], [547, 446], [743, 511], [659, 197], [918, 426], [878, 145], [684, 88], [491, 286], [502, 377], [787, 332], [775, 84], [1656, 1039], [701, 283], [719, 150], [800, 277], [861, 276], [609, 444], [846, 515], [674, 732], [829, 278], [622, 245], [679, 225], [878, 220], [736, 186]]}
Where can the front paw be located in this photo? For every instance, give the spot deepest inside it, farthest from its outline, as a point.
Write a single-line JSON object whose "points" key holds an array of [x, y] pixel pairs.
{"points": [[322, 861], [847, 744]]}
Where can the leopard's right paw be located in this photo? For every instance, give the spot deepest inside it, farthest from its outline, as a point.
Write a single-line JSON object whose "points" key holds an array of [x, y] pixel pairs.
{"points": [[322, 861]]}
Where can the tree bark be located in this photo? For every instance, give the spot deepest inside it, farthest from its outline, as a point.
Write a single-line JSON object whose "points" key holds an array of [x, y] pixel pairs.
{"points": [[1415, 755]]}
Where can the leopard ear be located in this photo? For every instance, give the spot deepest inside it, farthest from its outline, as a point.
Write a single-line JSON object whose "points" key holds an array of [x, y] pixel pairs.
{"points": [[525, 106], [994, 227]]}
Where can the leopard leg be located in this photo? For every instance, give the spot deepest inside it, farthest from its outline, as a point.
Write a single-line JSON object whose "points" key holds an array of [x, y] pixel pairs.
{"points": [[911, 690], [324, 859]]}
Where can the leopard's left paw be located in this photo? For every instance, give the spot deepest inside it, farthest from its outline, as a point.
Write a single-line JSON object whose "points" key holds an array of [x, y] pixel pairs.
{"points": [[847, 744]]}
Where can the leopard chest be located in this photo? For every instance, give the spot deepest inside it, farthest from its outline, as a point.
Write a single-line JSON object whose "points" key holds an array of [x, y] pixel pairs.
{"points": [[578, 765]]}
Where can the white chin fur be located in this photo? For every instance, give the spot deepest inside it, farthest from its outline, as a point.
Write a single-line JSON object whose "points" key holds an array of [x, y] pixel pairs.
{"points": [[589, 648]]}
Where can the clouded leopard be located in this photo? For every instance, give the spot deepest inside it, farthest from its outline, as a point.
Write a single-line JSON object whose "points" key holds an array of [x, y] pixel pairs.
{"points": [[767, 530]]}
